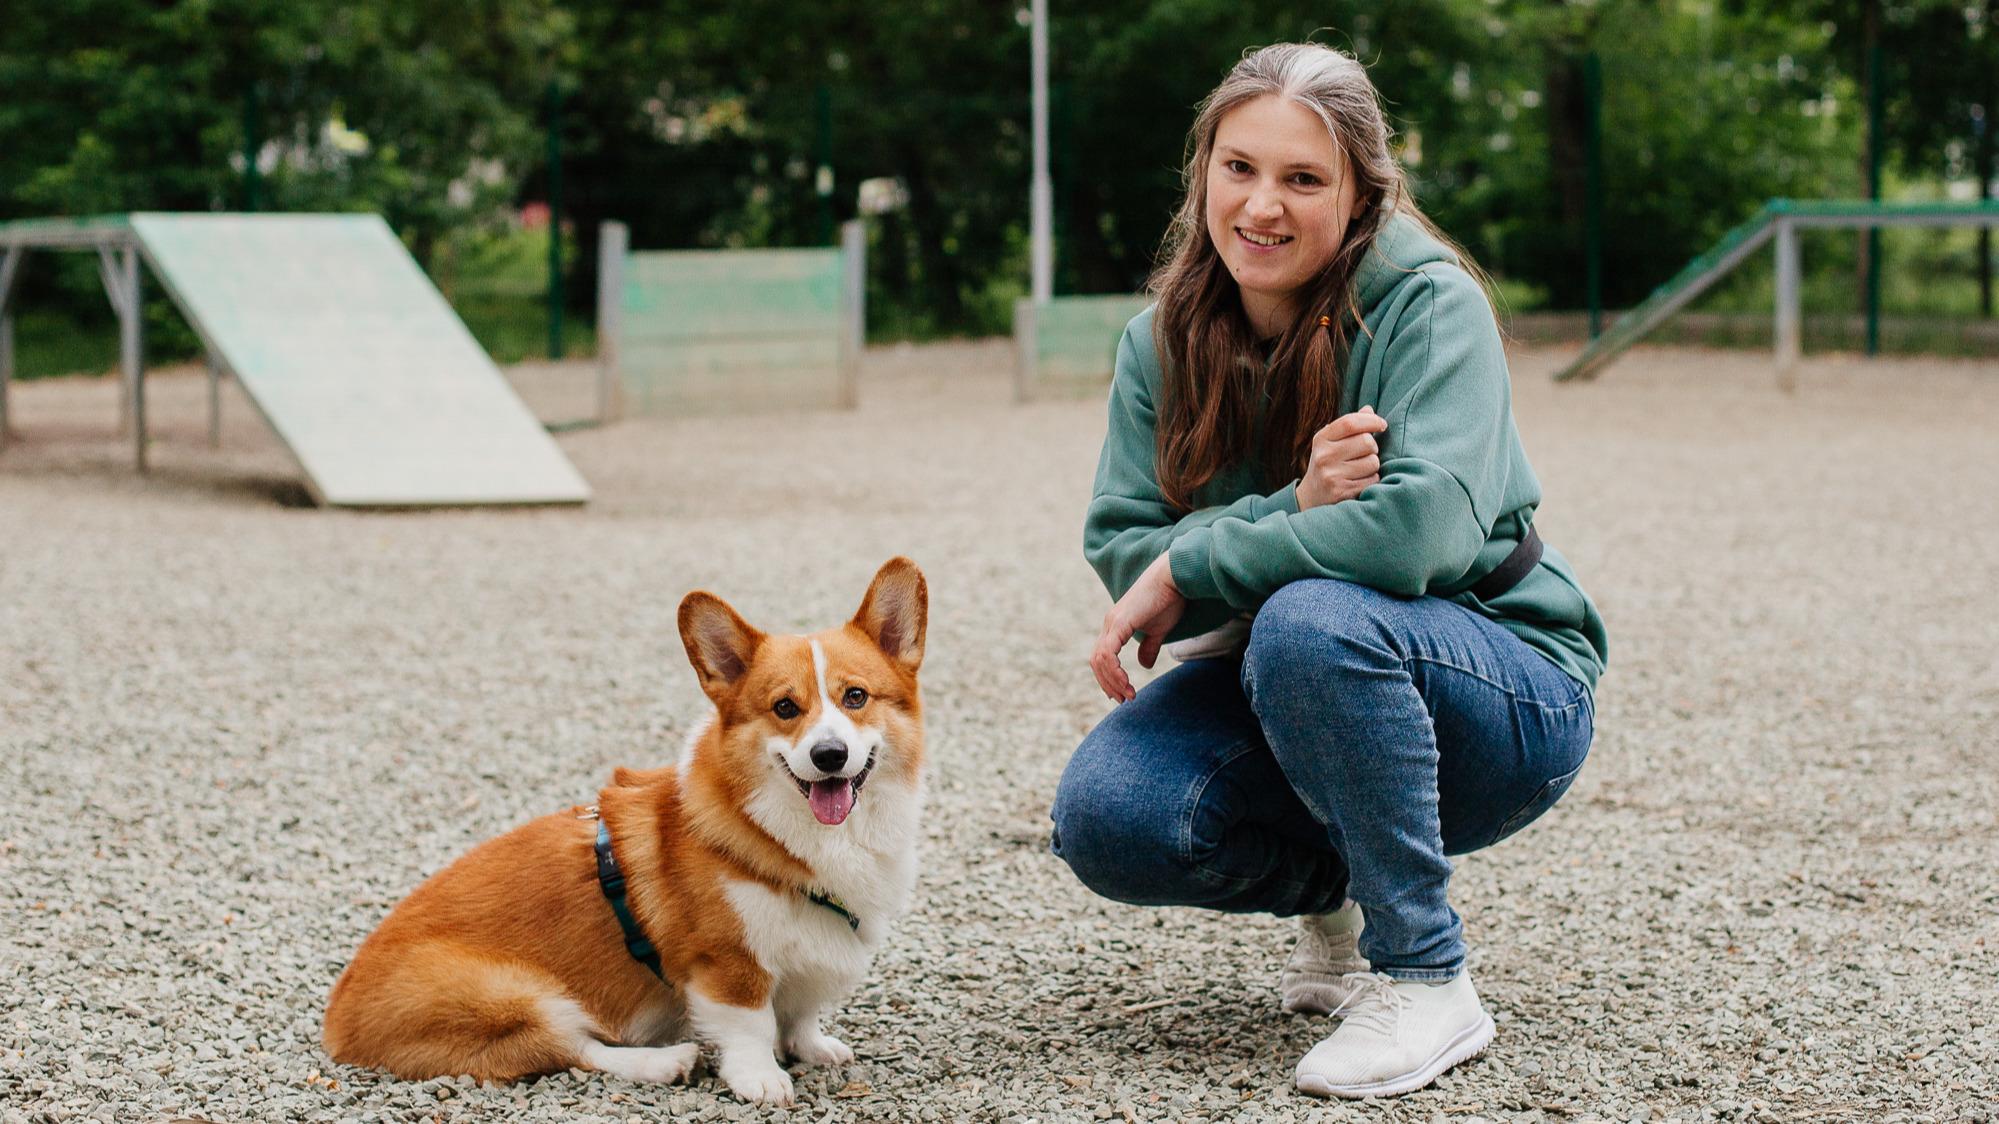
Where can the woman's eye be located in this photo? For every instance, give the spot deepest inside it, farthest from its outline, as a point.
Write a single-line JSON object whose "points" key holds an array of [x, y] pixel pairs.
{"points": [[1305, 179], [855, 698], [785, 709], [1239, 167]]}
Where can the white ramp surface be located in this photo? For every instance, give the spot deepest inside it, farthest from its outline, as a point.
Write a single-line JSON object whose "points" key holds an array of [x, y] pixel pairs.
{"points": [[356, 360]]}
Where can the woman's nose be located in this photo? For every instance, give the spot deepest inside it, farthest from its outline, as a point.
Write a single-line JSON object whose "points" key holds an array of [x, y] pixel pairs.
{"points": [[1264, 204]]}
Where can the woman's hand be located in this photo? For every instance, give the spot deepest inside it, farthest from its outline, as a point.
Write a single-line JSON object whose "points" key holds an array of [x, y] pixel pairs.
{"points": [[1153, 606], [1346, 459]]}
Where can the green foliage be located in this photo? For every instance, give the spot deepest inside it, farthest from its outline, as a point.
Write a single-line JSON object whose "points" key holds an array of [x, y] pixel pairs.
{"points": [[707, 125]]}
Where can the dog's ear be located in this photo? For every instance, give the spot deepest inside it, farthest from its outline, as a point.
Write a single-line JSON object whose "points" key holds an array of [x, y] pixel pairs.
{"points": [[719, 643], [896, 611]]}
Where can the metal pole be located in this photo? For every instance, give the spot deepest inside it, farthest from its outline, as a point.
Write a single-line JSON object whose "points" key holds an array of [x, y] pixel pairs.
{"points": [[131, 342], [6, 370], [611, 240], [214, 403], [1875, 98], [1593, 187], [1786, 336], [854, 296], [554, 219], [10, 267], [109, 271], [1041, 199]]}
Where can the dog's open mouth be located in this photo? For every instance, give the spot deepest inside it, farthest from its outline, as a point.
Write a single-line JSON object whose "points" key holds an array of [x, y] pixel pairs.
{"points": [[833, 799]]}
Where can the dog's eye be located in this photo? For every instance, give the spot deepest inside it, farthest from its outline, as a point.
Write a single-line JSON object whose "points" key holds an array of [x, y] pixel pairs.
{"points": [[854, 699], [785, 709]]}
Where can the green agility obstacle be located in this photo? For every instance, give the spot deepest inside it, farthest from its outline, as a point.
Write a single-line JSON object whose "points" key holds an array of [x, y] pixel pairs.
{"points": [[1779, 220]]}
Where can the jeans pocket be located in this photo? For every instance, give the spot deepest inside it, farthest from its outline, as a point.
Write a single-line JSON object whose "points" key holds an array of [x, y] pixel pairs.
{"points": [[1542, 801]]}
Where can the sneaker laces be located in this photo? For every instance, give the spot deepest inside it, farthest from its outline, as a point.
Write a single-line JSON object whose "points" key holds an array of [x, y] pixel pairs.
{"points": [[1372, 1003]]}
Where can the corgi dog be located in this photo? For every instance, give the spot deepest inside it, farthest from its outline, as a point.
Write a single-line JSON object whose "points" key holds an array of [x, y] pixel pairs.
{"points": [[729, 899]]}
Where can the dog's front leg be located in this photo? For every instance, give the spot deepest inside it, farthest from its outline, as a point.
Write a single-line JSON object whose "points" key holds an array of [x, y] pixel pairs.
{"points": [[745, 1037], [798, 1010]]}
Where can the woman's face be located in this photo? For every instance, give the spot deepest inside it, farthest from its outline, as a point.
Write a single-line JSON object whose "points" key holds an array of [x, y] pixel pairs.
{"points": [[1280, 196]]}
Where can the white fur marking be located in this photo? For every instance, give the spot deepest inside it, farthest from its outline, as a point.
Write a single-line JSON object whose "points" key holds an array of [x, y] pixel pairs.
{"points": [[746, 1039], [663, 1064], [567, 1019], [834, 724]]}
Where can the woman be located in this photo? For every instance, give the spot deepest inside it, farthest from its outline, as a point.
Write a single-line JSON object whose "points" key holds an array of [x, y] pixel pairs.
{"points": [[1312, 481]]}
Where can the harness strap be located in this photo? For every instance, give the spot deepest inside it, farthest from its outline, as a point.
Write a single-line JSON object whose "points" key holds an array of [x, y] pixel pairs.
{"points": [[612, 881], [837, 906], [1511, 569]]}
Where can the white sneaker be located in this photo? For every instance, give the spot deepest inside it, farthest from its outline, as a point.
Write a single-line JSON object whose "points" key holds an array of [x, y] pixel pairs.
{"points": [[1399, 1035], [1314, 979]]}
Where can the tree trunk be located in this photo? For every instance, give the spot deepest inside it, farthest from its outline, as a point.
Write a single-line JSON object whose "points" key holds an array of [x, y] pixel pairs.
{"points": [[940, 271], [1568, 155]]}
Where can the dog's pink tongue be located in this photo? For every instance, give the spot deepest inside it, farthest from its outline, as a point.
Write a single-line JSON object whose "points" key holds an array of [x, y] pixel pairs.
{"points": [[832, 800]]}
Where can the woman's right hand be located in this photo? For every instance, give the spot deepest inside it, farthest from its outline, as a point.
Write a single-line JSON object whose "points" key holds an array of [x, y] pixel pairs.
{"points": [[1345, 460]]}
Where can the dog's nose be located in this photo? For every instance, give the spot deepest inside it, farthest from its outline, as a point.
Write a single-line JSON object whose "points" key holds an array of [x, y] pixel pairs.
{"points": [[829, 756]]}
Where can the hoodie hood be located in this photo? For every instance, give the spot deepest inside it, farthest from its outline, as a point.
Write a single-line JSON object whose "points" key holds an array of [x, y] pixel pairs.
{"points": [[1402, 248]]}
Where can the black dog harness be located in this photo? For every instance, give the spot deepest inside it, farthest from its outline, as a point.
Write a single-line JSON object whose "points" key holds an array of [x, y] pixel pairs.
{"points": [[611, 880]]}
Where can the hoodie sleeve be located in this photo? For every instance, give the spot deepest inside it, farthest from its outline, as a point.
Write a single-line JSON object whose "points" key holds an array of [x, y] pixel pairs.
{"points": [[1129, 522], [1445, 394]]}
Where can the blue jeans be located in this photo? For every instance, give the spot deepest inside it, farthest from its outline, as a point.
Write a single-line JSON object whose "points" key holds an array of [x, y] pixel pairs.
{"points": [[1360, 738]]}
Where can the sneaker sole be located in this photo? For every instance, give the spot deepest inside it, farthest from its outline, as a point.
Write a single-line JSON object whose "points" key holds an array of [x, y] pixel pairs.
{"points": [[1463, 1048]]}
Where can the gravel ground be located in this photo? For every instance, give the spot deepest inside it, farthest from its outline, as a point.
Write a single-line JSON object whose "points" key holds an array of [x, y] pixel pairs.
{"points": [[234, 731]]}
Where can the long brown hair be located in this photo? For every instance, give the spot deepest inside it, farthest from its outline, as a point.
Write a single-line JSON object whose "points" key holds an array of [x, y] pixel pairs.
{"points": [[1217, 383]]}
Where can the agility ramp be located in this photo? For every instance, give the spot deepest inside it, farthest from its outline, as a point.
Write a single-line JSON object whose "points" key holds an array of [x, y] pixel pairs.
{"points": [[1779, 220], [344, 346]]}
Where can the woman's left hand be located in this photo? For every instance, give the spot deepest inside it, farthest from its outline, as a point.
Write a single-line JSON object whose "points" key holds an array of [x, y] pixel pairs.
{"points": [[1153, 606]]}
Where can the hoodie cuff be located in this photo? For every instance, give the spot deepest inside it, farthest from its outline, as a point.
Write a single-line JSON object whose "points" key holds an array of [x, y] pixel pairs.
{"points": [[1284, 500], [1188, 560]]}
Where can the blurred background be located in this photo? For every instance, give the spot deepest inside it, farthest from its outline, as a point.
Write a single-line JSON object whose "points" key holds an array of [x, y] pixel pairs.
{"points": [[495, 136]]}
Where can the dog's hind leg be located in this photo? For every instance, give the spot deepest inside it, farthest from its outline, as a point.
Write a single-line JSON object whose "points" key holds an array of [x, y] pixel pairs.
{"points": [[439, 1010]]}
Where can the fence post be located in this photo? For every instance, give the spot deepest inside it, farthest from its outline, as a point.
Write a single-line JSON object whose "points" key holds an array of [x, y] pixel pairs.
{"points": [[611, 239], [10, 267], [854, 305], [1787, 327], [131, 351], [1024, 345]]}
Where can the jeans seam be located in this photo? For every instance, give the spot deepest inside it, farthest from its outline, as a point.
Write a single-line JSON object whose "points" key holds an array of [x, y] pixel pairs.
{"points": [[1511, 694], [1186, 841]]}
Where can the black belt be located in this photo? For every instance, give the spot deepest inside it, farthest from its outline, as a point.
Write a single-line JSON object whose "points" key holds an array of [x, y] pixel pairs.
{"points": [[1510, 570]]}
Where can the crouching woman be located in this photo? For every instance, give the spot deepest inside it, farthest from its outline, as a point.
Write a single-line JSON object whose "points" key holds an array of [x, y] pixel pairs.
{"points": [[1313, 483]]}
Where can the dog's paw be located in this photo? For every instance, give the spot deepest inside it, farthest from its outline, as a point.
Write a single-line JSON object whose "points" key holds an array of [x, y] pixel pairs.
{"points": [[815, 1048], [758, 1082], [668, 1065]]}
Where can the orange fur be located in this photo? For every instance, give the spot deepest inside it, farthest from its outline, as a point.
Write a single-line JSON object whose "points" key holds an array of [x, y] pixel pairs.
{"points": [[501, 964]]}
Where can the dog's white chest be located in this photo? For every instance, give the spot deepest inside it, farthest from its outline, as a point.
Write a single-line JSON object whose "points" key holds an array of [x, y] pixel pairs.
{"points": [[802, 943]]}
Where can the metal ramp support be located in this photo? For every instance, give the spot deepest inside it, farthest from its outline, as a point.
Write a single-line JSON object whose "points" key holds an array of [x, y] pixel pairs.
{"points": [[1779, 220]]}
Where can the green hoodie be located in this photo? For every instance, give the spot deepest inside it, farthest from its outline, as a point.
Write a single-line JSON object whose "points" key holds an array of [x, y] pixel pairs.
{"points": [[1456, 493]]}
